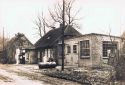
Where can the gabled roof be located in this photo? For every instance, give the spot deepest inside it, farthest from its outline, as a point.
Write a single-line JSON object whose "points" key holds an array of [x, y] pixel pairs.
{"points": [[70, 31], [50, 39], [20, 39]]}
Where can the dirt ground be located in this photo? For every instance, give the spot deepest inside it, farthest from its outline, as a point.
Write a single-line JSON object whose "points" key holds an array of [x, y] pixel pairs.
{"points": [[27, 75]]}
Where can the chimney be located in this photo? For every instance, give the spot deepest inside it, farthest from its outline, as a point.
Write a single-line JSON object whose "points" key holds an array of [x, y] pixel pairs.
{"points": [[61, 25]]}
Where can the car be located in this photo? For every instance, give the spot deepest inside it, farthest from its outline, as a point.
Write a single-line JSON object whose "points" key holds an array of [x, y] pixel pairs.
{"points": [[44, 65]]}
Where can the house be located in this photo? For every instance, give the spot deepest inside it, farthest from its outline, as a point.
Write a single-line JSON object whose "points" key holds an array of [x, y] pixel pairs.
{"points": [[91, 49], [50, 44], [20, 50]]}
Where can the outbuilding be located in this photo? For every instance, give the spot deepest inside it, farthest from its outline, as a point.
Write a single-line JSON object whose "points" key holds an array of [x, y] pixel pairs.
{"points": [[91, 49]]}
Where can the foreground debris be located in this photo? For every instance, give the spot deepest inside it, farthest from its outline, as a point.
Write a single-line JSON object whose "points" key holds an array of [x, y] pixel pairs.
{"points": [[96, 75]]}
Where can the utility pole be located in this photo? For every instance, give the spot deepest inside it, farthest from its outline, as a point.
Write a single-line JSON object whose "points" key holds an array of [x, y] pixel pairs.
{"points": [[63, 28], [3, 39], [3, 53]]}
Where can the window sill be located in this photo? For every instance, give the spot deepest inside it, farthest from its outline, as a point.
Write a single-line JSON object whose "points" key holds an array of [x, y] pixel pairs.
{"points": [[85, 57], [68, 53], [105, 57]]}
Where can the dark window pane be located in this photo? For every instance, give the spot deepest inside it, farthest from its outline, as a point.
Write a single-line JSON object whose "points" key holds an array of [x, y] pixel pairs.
{"points": [[74, 48], [108, 45], [84, 48], [68, 49]]}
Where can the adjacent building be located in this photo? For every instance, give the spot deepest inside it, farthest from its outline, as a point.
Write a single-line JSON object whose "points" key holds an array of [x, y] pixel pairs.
{"points": [[91, 49], [20, 50], [50, 44]]}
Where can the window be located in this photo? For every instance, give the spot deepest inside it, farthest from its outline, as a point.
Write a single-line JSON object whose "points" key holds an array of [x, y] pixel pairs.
{"points": [[108, 46], [51, 53], [84, 48], [68, 49], [60, 50], [74, 48]]}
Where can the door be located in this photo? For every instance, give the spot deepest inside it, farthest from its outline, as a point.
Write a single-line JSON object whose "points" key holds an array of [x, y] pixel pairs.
{"points": [[71, 60], [71, 55]]}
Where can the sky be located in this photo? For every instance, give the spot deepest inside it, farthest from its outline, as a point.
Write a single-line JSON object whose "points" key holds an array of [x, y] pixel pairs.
{"points": [[98, 16]]}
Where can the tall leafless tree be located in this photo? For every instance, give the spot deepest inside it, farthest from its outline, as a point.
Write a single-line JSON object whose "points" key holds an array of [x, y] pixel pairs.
{"points": [[112, 56], [40, 25], [55, 16], [70, 13]]}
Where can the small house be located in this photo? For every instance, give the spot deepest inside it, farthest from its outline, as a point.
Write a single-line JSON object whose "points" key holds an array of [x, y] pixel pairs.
{"points": [[91, 49], [50, 44], [20, 50]]}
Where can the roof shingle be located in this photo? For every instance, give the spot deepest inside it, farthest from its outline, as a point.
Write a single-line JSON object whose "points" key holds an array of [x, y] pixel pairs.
{"points": [[50, 39]]}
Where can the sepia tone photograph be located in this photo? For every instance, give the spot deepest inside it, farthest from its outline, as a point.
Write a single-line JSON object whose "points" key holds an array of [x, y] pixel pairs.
{"points": [[62, 42]]}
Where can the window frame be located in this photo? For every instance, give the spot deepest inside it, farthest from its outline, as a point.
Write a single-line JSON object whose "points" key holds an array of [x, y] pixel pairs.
{"points": [[106, 48], [85, 49], [74, 48]]}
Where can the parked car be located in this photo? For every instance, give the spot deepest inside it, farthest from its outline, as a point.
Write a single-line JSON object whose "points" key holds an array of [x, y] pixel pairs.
{"points": [[43, 65]]}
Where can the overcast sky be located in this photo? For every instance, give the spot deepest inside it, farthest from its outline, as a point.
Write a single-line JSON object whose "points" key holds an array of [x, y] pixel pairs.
{"points": [[99, 15]]}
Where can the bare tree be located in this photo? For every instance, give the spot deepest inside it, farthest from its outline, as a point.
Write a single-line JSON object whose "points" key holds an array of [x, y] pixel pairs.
{"points": [[55, 16], [113, 54], [70, 13], [116, 60], [40, 25]]}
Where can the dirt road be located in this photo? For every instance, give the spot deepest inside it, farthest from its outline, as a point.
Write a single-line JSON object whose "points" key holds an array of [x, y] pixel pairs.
{"points": [[27, 75], [9, 76]]}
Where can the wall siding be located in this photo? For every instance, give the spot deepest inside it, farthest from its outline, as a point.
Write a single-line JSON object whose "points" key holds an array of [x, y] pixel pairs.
{"points": [[96, 49]]}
